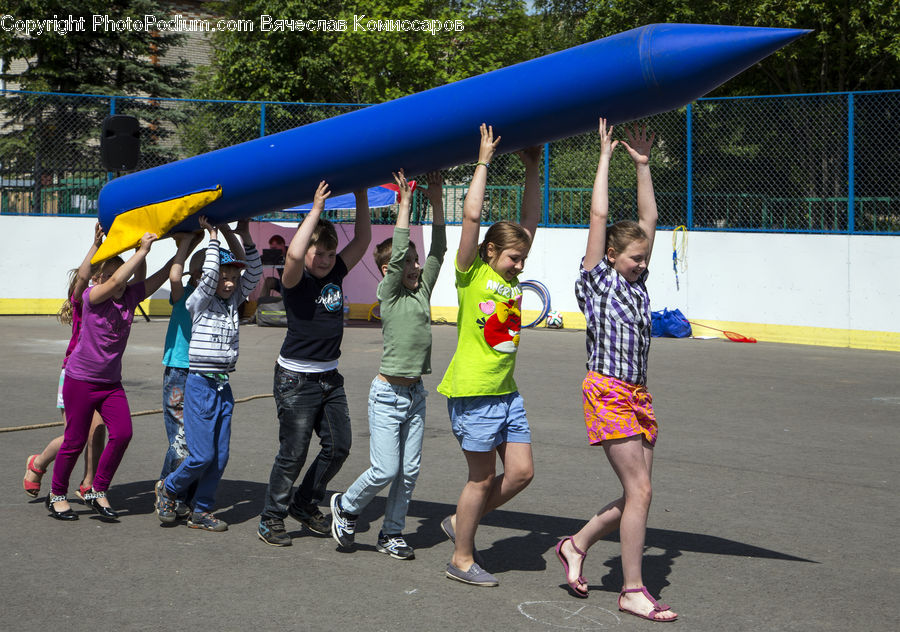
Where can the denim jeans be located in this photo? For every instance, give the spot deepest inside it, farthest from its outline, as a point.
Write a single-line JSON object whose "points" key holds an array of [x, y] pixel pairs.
{"points": [[209, 405], [173, 417], [307, 403], [396, 427]]}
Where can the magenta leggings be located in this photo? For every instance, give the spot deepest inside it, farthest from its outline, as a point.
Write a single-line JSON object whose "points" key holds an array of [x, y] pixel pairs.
{"points": [[81, 399]]}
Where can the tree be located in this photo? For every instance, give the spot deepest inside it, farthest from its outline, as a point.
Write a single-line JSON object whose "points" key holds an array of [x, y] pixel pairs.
{"points": [[854, 46], [52, 136]]}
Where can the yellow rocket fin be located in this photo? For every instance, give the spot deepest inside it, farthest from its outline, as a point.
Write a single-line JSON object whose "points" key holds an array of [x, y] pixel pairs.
{"points": [[128, 227]]}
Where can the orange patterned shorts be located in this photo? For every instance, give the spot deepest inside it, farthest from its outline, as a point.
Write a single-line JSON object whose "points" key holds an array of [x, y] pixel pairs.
{"points": [[614, 409]]}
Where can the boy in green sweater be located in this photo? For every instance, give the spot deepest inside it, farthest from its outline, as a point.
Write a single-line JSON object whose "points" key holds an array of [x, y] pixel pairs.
{"points": [[397, 397]]}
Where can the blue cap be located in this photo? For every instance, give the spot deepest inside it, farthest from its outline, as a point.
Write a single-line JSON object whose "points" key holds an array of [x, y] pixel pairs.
{"points": [[227, 258]]}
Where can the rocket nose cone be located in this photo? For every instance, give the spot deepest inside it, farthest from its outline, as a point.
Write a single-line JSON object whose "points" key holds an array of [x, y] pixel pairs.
{"points": [[683, 62]]}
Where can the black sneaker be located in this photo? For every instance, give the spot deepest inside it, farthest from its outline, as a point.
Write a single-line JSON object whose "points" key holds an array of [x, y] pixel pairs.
{"points": [[182, 510], [165, 504], [312, 518], [272, 532], [395, 546], [343, 524]]}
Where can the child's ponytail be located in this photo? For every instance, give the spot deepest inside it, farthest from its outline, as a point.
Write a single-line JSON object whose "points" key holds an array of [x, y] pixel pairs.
{"points": [[64, 315]]}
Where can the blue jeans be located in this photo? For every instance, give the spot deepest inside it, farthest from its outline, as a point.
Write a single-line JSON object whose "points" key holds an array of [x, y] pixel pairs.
{"points": [[208, 405], [307, 403], [173, 417], [396, 427]]}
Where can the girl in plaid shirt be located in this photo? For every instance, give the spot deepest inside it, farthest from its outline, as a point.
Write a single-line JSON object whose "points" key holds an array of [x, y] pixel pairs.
{"points": [[618, 410]]}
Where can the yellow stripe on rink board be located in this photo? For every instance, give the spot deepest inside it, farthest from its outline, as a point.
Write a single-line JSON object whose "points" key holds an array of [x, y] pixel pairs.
{"points": [[794, 334], [50, 306]]}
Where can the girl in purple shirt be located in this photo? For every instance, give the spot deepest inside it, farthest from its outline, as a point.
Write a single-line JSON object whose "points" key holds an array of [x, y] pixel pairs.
{"points": [[70, 314], [93, 378], [617, 407]]}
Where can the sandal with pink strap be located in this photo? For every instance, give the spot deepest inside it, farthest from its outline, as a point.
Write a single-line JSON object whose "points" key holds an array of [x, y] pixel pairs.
{"points": [[573, 586], [32, 488], [657, 607]]}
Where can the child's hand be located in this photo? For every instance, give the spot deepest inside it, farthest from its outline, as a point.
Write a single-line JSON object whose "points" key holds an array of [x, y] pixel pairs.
{"points": [[607, 144], [242, 229], [488, 144], [98, 234], [530, 155], [146, 241], [213, 230], [321, 195], [435, 190], [181, 238], [403, 185], [639, 147]]}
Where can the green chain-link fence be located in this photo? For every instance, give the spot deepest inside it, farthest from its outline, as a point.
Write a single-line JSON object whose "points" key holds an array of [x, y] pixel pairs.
{"points": [[797, 163]]}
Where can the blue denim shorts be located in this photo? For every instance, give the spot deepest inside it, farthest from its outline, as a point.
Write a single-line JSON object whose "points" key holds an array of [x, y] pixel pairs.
{"points": [[483, 422]]}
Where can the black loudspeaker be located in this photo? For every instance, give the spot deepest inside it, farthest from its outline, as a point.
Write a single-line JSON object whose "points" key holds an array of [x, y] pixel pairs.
{"points": [[120, 144]]}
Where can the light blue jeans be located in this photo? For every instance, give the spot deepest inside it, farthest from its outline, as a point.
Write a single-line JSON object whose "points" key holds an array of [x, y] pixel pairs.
{"points": [[396, 426]]}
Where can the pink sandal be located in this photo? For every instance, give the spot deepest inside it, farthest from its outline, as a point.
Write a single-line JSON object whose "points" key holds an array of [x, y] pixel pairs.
{"points": [[32, 489], [573, 586], [657, 607]]}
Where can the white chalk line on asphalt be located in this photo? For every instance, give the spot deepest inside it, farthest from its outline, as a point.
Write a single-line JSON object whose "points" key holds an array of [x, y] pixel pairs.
{"points": [[563, 614]]}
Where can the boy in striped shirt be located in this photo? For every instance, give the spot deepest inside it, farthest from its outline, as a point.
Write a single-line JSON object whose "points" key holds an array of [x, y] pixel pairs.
{"points": [[213, 354]]}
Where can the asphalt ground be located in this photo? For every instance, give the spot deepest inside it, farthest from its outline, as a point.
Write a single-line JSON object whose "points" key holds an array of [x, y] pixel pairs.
{"points": [[775, 502]]}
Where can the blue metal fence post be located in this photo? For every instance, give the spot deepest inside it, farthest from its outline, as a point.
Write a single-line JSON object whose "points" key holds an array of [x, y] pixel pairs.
{"points": [[546, 184], [851, 202], [262, 119], [690, 167]]}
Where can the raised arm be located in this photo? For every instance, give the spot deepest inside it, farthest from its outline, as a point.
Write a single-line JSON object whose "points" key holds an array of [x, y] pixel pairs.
{"points": [[638, 147], [140, 272], [83, 276], [185, 242], [392, 283], [530, 213], [234, 244], [362, 231], [209, 278], [117, 283], [435, 195], [596, 242], [253, 273], [296, 253], [471, 221], [155, 280]]}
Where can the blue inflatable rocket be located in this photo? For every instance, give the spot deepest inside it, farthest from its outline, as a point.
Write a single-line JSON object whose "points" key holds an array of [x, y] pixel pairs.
{"points": [[631, 75]]}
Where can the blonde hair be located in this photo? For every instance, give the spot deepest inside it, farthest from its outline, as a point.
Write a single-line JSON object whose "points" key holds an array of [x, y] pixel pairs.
{"points": [[64, 315], [503, 235], [620, 234]]}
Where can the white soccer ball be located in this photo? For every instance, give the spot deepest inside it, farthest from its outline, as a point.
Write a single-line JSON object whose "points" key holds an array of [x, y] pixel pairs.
{"points": [[554, 319]]}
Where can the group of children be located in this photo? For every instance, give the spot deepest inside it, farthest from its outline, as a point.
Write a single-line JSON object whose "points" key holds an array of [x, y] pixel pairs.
{"points": [[487, 413]]}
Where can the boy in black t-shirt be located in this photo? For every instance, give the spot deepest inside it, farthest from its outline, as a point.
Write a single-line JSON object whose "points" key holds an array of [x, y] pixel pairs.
{"points": [[309, 391]]}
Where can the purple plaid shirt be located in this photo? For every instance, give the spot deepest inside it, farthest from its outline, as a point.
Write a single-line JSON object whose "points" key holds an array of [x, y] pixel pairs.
{"points": [[618, 322]]}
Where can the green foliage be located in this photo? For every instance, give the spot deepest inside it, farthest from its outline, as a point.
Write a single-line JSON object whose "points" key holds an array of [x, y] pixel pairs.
{"points": [[854, 46], [363, 65], [55, 134]]}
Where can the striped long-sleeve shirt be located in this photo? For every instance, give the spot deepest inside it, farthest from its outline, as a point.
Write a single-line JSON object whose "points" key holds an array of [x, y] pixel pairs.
{"points": [[214, 321], [618, 322]]}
